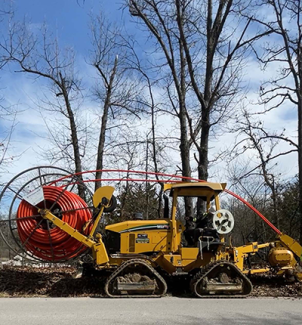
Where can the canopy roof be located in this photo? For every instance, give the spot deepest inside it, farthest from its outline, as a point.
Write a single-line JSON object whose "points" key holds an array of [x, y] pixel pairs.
{"points": [[205, 190]]}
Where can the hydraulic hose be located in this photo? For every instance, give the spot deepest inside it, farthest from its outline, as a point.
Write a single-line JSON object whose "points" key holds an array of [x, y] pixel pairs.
{"points": [[276, 230], [50, 243]]}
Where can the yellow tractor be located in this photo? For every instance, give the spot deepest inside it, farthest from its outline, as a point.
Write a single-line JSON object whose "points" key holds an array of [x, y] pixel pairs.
{"points": [[139, 255]]}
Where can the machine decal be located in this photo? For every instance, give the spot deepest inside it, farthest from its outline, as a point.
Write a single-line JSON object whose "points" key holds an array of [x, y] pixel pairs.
{"points": [[146, 227], [142, 239]]}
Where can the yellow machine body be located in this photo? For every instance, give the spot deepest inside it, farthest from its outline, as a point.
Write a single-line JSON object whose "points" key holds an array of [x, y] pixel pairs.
{"points": [[162, 239], [139, 236], [160, 242], [154, 238]]}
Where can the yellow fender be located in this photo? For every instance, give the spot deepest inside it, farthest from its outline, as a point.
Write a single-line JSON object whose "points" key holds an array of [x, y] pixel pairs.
{"points": [[100, 193]]}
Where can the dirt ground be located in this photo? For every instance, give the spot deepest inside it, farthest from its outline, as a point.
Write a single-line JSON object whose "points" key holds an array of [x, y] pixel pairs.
{"points": [[61, 282]]}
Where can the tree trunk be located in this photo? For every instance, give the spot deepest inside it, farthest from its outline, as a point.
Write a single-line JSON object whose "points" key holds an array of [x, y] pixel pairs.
{"points": [[154, 158], [185, 156], [102, 138], [204, 152], [203, 163], [101, 145], [74, 138], [184, 143]]}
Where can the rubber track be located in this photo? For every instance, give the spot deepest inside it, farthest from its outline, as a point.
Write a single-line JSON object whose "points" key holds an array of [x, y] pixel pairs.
{"points": [[201, 274], [124, 266]]}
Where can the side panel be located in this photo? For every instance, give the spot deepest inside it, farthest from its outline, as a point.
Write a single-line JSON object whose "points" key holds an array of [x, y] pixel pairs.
{"points": [[144, 241], [143, 236], [146, 236]]}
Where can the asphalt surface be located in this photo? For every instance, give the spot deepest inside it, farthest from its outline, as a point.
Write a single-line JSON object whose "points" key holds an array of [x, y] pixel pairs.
{"points": [[169, 310]]}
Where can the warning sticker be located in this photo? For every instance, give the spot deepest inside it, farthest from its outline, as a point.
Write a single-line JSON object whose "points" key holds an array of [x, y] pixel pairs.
{"points": [[35, 196]]}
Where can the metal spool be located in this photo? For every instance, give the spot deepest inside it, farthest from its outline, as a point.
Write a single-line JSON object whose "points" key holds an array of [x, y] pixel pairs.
{"points": [[23, 228]]}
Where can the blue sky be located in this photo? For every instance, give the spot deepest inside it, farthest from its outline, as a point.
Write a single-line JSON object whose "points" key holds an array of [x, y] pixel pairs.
{"points": [[68, 18]]}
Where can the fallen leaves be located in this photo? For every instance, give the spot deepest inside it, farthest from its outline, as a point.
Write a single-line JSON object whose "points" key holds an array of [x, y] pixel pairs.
{"points": [[267, 285], [48, 281]]}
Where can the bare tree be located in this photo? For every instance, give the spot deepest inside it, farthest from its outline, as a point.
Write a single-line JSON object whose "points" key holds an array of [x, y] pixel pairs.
{"points": [[280, 203], [255, 141], [154, 16], [284, 49], [202, 48], [6, 158], [249, 227], [117, 90], [40, 56], [158, 144], [7, 112]]}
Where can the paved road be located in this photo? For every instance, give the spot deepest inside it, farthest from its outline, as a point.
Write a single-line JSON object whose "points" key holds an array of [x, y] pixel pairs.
{"points": [[169, 310]]}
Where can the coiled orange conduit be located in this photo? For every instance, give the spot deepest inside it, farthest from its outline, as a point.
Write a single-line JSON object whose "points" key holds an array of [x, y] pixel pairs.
{"points": [[52, 244]]}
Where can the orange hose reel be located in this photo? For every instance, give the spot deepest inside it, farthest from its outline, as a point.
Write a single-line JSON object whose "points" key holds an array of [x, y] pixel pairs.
{"points": [[40, 238]]}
